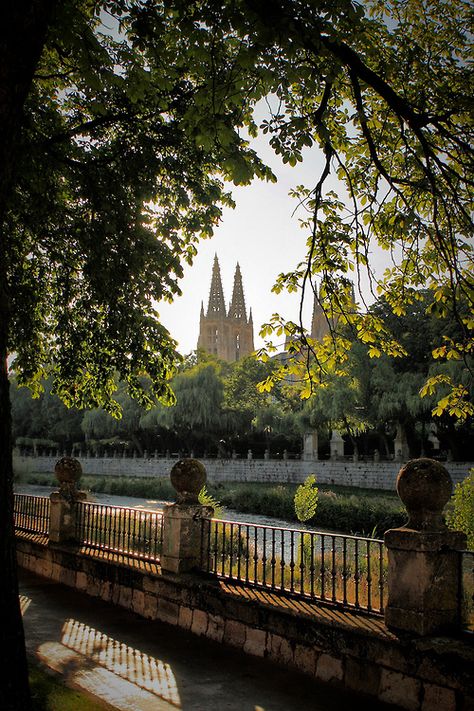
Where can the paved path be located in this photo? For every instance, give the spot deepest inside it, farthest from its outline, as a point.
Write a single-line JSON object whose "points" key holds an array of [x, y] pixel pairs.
{"points": [[137, 665]]}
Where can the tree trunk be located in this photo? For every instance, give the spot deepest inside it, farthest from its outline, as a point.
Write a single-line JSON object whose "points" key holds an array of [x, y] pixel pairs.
{"points": [[22, 36]]}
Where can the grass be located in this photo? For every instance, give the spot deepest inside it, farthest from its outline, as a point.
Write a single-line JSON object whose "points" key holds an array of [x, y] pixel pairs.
{"points": [[345, 570], [49, 693]]}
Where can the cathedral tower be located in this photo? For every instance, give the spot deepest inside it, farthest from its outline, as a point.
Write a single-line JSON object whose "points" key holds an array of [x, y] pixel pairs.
{"points": [[320, 325], [227, 335]]}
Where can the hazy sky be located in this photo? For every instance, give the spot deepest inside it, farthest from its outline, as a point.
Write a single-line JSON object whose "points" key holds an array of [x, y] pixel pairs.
{"points": [[263, 236]]}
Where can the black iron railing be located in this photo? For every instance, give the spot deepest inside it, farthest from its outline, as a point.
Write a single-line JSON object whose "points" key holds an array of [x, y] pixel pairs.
{"points": [[349, 571], [119, 529], [31, 513]]}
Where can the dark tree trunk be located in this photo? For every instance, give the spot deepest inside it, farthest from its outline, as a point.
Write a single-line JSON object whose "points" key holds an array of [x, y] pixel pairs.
{"points": [[22, 36]]}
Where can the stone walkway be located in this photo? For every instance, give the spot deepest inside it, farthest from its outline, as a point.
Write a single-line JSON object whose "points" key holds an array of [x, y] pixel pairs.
{"points": [[137, 665]]}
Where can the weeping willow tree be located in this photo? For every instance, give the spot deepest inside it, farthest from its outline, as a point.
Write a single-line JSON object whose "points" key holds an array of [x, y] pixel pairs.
{"points": [[197, 411]]}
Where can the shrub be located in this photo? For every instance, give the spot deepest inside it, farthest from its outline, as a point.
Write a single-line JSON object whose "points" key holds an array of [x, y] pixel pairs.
{"points": [[460, 517], [306, 499]]}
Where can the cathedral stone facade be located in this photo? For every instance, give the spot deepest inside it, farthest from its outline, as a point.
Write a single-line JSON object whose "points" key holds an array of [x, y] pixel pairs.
{"points": [[226, 334]]}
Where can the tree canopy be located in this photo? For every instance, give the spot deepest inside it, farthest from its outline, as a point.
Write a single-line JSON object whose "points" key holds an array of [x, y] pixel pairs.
{"points": [[120, 120], [139, 111]]}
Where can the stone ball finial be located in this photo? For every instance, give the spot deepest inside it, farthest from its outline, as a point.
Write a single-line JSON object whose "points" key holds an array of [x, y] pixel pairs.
{"points": [[68, 470], [188, 476], [425, 487]]}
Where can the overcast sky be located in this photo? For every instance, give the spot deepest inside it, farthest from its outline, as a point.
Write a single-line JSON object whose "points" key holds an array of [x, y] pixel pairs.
{"points": [[264, 237]]}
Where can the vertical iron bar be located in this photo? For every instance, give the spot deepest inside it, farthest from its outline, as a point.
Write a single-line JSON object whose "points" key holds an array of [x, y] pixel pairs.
{"points": [[322, 569], [381, 576], [223, 547], [302, 566], [292, 561], [247, 552], [333, 569], [282, 559], [239, 552], [369, 579], [356, 576], [255, 555], [273, 561], [344, 570], [231, 543]]}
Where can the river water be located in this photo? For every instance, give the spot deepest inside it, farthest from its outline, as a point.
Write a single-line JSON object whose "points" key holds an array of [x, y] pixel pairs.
{"points": [[157, 505]]}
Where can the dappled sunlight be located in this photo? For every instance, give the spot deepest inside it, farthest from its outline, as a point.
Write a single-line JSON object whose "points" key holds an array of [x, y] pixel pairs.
{"points": [[25, 602], [127, 662]]}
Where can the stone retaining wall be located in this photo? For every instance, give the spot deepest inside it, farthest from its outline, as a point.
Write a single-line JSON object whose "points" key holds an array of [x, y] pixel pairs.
{"points": [[368, 475], [429, 674]]}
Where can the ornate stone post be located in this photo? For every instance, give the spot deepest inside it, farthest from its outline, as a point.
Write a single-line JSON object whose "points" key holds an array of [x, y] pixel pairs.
{"points": [[401, 451], [310, 446], [336, 444], [62, 523], [182, 521], [423, 562]]}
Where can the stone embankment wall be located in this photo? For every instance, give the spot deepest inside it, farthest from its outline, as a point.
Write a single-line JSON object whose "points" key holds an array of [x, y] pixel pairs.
{"points": [[354, 652], [368, 475]]}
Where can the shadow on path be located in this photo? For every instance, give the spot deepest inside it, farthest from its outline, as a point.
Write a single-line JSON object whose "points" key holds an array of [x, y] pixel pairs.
{"points": [[137, 665]]}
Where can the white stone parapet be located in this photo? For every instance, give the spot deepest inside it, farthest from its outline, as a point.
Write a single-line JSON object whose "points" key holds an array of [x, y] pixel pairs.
{"points": [[366, 475]]}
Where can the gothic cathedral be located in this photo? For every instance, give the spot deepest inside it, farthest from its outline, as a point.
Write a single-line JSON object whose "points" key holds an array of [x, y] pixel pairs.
{"points": [[228, 335]]}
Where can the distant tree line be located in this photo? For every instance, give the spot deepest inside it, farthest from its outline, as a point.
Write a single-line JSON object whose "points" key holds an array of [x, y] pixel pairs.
{"points": [[219, 408]]}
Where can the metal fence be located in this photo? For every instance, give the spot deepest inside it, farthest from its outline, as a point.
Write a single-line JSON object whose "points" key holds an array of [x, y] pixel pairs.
{"points": [[119, 529], [31, 513], [348, 571]]}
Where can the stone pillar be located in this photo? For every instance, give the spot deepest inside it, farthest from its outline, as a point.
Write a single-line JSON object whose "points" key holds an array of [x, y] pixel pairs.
{"points": [[423, 559], [434, 441], [402, 453], [336, 444], [182, 521], [310, 446], [62, 524]]}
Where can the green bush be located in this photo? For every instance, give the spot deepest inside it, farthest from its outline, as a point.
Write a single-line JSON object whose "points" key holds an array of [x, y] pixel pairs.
{"points": [[306, 499], [460, 516]]}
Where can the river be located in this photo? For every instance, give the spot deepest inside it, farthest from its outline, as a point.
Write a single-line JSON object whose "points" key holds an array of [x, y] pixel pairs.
{"points": [[157, 505]]}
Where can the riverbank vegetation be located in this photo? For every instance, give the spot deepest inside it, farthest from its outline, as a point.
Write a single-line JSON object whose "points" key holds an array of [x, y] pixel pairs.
{"points": [[344, 509]]}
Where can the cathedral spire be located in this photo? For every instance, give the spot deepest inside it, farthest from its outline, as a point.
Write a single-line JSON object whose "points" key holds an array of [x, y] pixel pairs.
{"points": [[237, 305], [216, 306], [319, 322], [226, 335]]}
